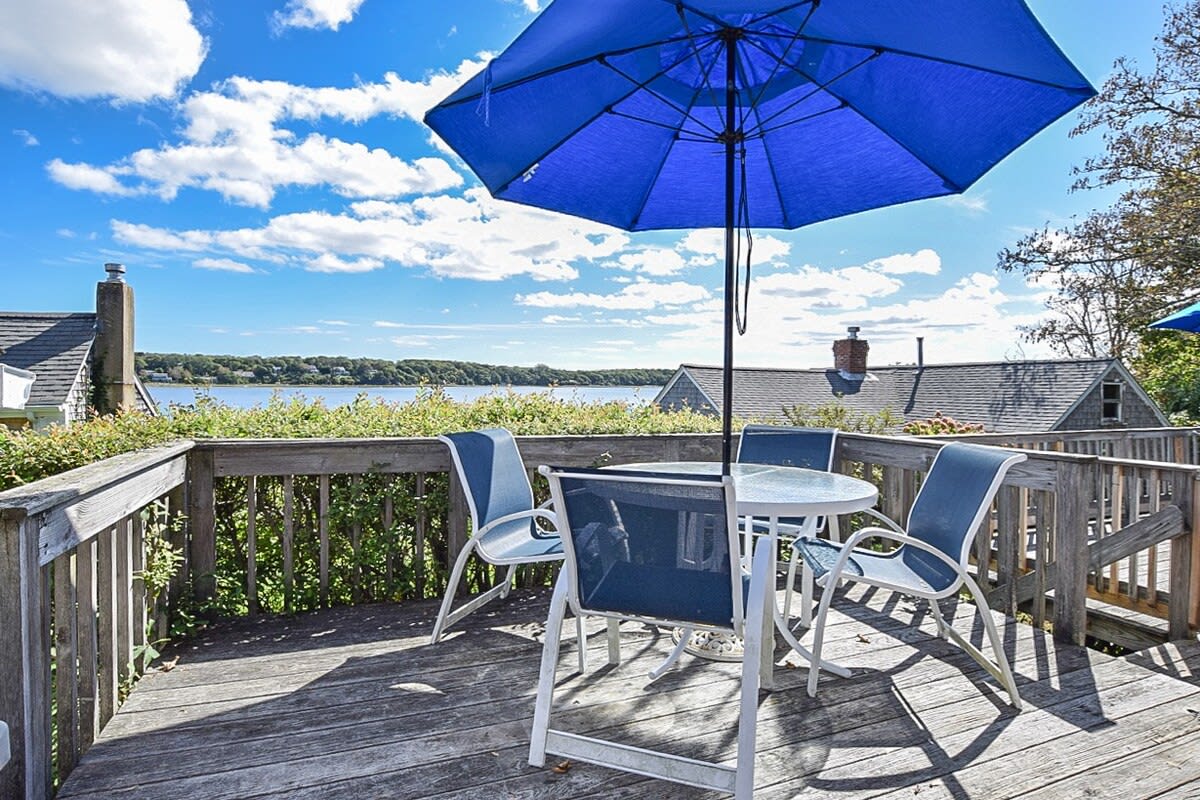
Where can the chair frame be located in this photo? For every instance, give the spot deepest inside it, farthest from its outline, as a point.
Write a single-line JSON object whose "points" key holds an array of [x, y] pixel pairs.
{"points": [[999, 668], [749, 621], [447, 615]]}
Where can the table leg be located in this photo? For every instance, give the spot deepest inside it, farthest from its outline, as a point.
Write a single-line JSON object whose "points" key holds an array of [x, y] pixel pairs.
{"points": [[781, 623], [766, 668]]}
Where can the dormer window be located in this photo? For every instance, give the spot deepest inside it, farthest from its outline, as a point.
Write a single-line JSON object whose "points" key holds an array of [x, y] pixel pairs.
{"points": [[1110, 401]]}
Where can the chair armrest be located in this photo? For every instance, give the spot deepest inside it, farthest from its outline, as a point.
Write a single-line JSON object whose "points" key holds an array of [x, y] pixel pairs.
{"points": [[883, 518], [901, 538], [536, 513]]}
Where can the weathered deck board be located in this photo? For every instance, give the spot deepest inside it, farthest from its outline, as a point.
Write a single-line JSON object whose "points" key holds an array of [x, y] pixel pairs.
{"points": [[353, 703]]}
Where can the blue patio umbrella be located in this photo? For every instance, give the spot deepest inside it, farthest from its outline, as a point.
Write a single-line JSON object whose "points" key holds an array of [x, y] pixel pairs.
{"points": [[665, 114], [1185, 319]]}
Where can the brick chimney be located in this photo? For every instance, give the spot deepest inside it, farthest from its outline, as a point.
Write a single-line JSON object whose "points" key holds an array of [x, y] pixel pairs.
{"points": [[113, 354], [850, 355]]}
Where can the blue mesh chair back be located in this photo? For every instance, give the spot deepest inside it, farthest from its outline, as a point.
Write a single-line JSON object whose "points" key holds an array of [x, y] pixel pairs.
{"points": [[787, 447], [494, 474], [953, 500], [657, 547], [782, 446]]}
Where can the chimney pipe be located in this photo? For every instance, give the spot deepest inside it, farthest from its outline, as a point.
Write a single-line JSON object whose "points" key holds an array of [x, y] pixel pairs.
{"points": [[113, 378], [920, 352]]}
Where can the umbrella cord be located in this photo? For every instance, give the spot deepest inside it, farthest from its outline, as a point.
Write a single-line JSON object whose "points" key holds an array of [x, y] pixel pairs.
{"points": [[741, 308]]}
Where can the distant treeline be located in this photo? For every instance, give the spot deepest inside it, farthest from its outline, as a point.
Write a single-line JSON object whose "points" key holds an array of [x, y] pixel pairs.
{"points": [[293, 370]]}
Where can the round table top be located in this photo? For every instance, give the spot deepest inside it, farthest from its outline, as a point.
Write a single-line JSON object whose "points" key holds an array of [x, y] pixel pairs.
{"points": [[764, 490]]}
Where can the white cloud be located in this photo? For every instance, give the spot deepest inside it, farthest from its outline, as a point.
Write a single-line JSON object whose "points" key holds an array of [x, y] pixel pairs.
{"points": [[82, 176], [236, 143], [317, 13], [707, 247], [223, 265], [532, 6], [420, 340], [328, 262], [558, 319], [27, 138], [66, 233], [973, 204], [925, 262], [642, 295], [472, 236], [655, 261], [337, 323], [127, 50]]}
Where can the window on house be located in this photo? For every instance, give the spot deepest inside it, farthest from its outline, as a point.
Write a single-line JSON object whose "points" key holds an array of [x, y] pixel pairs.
{"points": [[1110, 401]]}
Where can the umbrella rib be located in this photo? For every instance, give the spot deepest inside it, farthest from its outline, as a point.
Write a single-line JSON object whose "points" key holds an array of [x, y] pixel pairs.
{"points": [[699, 60], [818, 86], [774, 175], [607, 109], [780, 59], [561, 68], [945, 179], [938, 59], [686, 113]]}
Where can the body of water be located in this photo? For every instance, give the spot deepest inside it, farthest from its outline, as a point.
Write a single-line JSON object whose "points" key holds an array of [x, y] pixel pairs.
{"points": [[257, 395]]}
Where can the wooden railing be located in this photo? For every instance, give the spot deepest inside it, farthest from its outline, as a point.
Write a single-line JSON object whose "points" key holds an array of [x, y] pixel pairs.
{"points": [[288, 525], [1169, 445], [71, 596]]}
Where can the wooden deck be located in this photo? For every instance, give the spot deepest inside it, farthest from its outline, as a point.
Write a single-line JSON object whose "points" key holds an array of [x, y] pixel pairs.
{"points": [[353, 703]]}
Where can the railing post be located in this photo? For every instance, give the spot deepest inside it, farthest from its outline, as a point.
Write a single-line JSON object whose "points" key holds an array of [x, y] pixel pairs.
{"points": [[1183, 613], [202, 523], [456, 521], [24, 660], [1072, 488]]}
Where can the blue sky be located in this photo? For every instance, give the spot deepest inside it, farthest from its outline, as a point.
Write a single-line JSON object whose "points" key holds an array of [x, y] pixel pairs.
{"points": [[261, 170]]}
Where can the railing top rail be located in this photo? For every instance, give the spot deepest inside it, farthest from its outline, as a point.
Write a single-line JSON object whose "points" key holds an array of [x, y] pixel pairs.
{"points": [[1095, 434], [68, 487]]}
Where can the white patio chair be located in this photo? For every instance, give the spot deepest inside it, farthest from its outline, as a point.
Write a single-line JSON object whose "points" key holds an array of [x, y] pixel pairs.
{"points": [[631, 540], [931, 561], [503, 518]]}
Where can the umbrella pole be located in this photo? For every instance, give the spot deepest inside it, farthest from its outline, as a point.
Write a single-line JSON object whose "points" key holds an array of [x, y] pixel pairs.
{"points": [[731, 36]]}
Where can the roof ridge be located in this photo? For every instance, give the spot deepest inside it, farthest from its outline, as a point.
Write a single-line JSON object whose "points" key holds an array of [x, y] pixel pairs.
{"points": [[48, 314], [927, 366]]}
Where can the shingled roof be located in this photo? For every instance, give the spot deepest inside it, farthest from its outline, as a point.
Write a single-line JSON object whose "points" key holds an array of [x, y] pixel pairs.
{"points": [[1003, 396], [53, 346]]}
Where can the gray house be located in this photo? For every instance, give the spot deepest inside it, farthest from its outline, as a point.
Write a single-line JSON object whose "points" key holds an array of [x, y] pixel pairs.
{"points": [[78, 361], [1003, 396]]}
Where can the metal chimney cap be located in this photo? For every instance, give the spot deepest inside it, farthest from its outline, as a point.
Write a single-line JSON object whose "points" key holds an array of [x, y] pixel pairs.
{"points": [[115, 272], [853, 331]]}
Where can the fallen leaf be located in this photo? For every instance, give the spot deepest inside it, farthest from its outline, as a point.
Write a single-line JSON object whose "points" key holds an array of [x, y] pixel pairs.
{"points": [[167, 666], [863, 639], [562, 767]]}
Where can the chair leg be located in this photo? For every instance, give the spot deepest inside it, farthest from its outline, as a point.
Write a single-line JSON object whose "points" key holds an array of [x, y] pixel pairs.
{"points": [[814, 668], [1001, 660], [754, 644], [439, 626], [806, 596], [545, 690], [614, 641], [581, 644], [673, 656], [791, 587], [506, 587]]}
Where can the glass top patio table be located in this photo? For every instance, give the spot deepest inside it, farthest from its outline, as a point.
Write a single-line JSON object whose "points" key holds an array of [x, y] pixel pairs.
{"points": [[773, 491], [769, 491]]}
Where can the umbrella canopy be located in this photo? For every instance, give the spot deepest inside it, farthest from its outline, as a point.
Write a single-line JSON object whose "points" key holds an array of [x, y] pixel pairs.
{"points": [[1185, 319], [664, 114]]}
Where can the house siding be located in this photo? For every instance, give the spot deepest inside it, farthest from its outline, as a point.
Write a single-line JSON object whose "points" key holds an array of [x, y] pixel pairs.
{"points": [[683, 394], [1135, 412]]}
